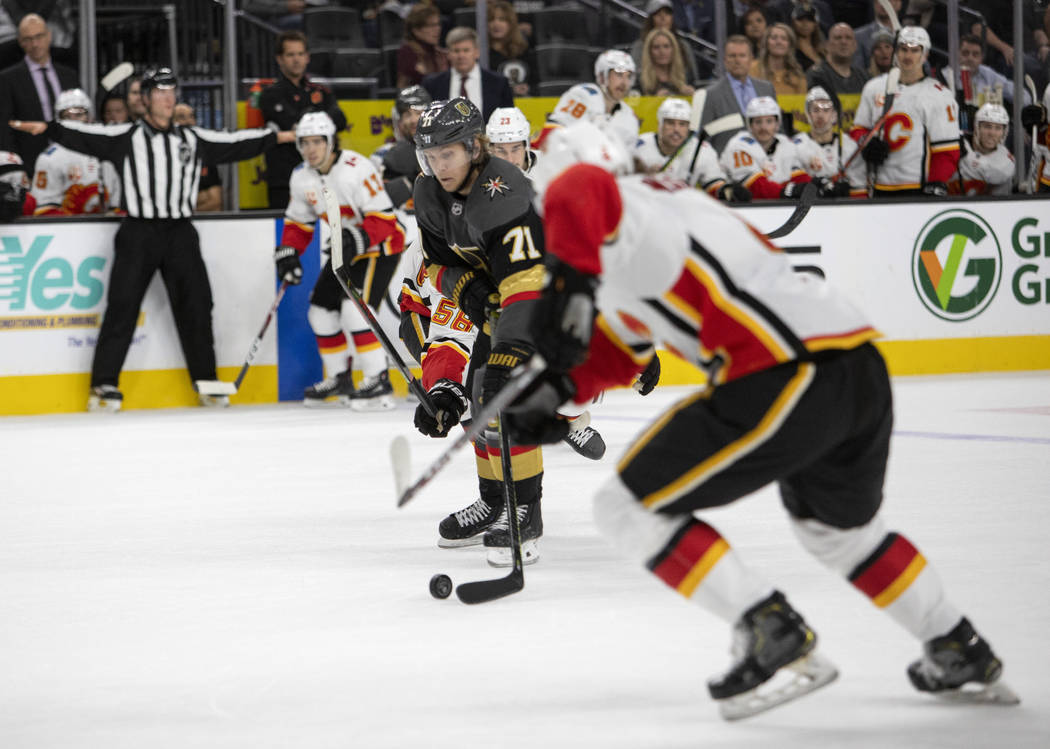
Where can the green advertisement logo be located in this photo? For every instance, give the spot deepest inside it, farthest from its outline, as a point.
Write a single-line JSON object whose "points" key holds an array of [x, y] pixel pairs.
{"points": [[32, 282], [956, 265]]}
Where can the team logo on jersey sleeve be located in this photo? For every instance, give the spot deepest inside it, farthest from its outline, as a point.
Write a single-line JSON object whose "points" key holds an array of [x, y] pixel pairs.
{"points": [[495, 186], [957, 264]]}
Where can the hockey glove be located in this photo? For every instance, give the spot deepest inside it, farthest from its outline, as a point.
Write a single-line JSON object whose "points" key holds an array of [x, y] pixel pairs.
{"points": [[648, 377], [479, 300], [504, 357], [1033, 115], [734, 192], [935, 189], [793, 190], [829, 188], [450, 403], [876, 151], [289, 269], [564, 316], [533, 418]]}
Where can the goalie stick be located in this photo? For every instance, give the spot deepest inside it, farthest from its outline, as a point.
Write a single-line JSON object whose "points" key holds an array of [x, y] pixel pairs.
{"points": [[333, 217], [400, 454], [805, 202], [218, 387]]}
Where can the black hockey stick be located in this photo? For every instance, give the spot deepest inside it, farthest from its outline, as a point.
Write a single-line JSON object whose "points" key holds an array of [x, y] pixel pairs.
{"points": [[481, 591], [218, 387], [332, 214], [805, 202], [400, 454]]}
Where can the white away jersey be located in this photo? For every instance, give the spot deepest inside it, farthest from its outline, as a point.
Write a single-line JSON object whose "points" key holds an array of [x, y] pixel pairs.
{"points": [[923, 120], [986, 174], [744, 160], [826, 159], [695, 169], [585, 102], [74, 183]]}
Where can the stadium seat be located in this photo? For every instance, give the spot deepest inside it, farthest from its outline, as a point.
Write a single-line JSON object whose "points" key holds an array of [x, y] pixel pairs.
{"points": [[351, 62], [464, 17], [331, 25], [391, 28], [569, 25], [565, 62]]}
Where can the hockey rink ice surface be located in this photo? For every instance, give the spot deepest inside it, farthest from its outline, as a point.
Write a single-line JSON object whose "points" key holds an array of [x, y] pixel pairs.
{"points": [[241, 578]]}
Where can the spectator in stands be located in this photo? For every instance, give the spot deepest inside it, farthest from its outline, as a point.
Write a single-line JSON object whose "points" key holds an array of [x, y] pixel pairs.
{"points": [[115, 110], [881, 54], [727, 99], [984, 82], [809, 39], [136, 107], [420, 54], [662, 72], [866, 34], [466, 78], [661, 16], [753, 25], [29, 89], [509, 53], [284, 103], [837, 73], [777, 64], [999, 35], [209, 190], [284, 14]]}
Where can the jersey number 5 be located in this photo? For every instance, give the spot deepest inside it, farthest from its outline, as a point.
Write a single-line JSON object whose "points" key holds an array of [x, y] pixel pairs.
{"points": [[523, 246]]}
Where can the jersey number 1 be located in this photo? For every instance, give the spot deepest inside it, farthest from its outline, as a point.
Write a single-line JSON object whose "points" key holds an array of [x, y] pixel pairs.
{"points": [[523, 247]]}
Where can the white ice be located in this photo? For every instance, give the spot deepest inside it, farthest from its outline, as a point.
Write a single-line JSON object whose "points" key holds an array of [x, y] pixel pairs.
{"points": [[241, 578]]}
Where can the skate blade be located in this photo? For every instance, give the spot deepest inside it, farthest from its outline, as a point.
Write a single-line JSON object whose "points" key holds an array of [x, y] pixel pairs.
{"points": [[381, 403], [808, 674], [995, 693], [501, 556], [338, 401], [459, 543], [100, 405]]}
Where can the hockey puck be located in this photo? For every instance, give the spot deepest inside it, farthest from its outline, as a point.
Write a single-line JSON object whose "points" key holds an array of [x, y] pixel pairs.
{"points": [[441, 586]]}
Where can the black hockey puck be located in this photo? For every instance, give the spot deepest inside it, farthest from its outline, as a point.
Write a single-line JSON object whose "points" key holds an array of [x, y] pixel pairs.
{"points": [[441, 586]]}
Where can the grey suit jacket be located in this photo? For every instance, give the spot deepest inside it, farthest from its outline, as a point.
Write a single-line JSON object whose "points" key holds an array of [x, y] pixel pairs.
{"points": [[721, 102]]}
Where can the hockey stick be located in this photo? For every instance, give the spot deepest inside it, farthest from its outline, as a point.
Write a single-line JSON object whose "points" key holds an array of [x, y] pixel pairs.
{"points": [[332, 215], [218, 387], [482, 591], [805, 202], [892, 87], [400, 455], [1033, 165], [120, 73], [895, 23]]}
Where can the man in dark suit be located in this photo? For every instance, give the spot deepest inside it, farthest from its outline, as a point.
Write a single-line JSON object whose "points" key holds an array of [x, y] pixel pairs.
{"points": [[29, 89], [726, 101], [466, 78]]}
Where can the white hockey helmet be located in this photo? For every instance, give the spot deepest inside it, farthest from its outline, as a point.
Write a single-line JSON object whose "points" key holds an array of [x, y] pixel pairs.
{"points": [[73, 98], [915, 36], [584, 143], [992, 113], [508, 125], [673, 109], [612, 59], [762, 106], [315, 123], [818, 93]]}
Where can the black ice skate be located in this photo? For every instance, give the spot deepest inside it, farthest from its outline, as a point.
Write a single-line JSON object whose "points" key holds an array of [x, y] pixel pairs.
{"points": [[961, 667], [375, 394], [585, 439], [468, 526], [336, 389], [105, 398], [770, 636], [497, 539]]}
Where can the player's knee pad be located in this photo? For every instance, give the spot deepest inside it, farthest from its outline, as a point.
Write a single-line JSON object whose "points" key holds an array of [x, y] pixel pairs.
{"points": [[841, 549], [635, 531], [323, 322]]}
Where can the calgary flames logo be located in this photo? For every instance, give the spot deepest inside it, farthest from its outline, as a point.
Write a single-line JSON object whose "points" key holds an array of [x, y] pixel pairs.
{"points": [[495, 186]]}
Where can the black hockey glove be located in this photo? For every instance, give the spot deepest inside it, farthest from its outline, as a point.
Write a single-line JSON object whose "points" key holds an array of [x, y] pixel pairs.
{"points": [[876, 151], [533, 418], [289, 269], [793, 190], [829, 188], [935, 189], [450, 403], [734, 192], [1033, 115], [649, 377], [564, 316], [503, 358], [479, 299]]}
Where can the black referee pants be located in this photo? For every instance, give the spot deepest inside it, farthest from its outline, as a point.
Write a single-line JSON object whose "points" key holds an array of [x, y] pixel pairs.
{"points": [[142, 247]]}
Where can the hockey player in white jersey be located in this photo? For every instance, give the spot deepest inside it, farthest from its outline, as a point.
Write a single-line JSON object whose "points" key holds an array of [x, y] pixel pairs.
{"points": [[987, 167], [762, 159], [916, 148], [372, 235], [797, 395], [601, 102], [1034, 118], [67, 183], [825, 149], [508, 132]]}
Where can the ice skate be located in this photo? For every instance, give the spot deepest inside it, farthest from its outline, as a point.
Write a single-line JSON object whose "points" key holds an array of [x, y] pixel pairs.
{"points": [[776, 661], [105, 398], [584, 439], [467, 527], [497, 538], [375, 394], [961, 667], [336, 389]]}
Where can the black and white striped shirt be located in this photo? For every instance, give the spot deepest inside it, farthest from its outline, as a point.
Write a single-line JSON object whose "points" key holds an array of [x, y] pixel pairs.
{"points": [[160, 169]]}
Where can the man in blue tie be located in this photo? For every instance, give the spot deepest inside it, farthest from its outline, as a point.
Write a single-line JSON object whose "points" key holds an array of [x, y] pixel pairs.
{"points": [[726, 101]]}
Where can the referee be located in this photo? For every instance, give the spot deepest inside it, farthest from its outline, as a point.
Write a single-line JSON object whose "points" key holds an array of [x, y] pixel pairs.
{"points": [[160, 165]]}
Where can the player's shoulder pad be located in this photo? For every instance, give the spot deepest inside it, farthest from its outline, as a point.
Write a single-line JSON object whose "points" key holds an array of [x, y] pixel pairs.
{"points": [[500, 194]]}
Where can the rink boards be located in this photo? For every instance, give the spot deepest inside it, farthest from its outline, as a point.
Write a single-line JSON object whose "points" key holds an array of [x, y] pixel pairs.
{"points": [[953, 286]]}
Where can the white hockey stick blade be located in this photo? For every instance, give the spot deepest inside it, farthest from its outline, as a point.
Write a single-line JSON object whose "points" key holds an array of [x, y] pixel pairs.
{"points": [[697, 111], [805, 675], [995, 693], [401, 462], [895, 23], [893, 82], [949, 78], [116, 76], [215, 387]]}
